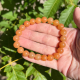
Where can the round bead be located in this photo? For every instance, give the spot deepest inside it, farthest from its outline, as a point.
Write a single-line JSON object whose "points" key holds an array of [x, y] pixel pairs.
{"points": [[50, 20], [60, 50], [55, 22], [20, 50], [18, 32], [22, 27], [26, 23], [31, 55], [60, 26], [63, 38], [62, 44], [16, 44], [63, 32], [38, 20], [37, 56], [16, 38], [50, 57], [32, 21], [56, 55], [44, 57], [44, 19], [25, 53]]}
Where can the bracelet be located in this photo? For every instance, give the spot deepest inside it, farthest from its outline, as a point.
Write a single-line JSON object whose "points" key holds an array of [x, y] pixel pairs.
{"points": [[38, 56]]}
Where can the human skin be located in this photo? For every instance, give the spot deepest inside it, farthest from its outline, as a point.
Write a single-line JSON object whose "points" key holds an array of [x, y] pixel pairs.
{"points": [[44, 38]]}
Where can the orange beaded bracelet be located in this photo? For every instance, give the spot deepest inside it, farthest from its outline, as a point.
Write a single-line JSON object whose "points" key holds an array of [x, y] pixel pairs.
{"points": [[38, 56]]}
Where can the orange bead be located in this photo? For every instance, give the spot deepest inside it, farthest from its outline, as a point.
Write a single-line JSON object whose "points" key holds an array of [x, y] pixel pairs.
{"points": [[50, 20], [32, 21], [25, 53], [63, 38], [16, 38], [55, 22], [60, 26], [63, 32], [37, 56], [44, 57], [38, 20], [16, 44], [22, 27], [44, 19], [56, 55], [26, 23], [60, 50], [18, 32], [20, 50], [50, 57], [62, 44], [31, 55]]}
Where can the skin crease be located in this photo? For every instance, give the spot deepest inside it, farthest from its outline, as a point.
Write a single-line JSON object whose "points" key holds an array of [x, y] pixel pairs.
{"points": [[44, 38]]}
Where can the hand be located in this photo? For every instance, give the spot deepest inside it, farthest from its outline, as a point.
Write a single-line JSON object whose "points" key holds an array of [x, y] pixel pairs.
{"points": [[44, 38]]}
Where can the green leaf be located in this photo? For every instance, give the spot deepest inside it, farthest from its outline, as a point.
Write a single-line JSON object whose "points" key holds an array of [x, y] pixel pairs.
{"points": [[2, 51], [40, 9], [2, 1], [64, 77], [67, 15], [4, 24], [50, 7], [17, 75], [8, 68], [73, 1], [74, 25], [3, 29], [30, 71], [14, 16], [3, 63], [21, 22], [26, 63], [5, 58], [27, 17], [39, 76], [12, 76], [15, 28], [8, 49], [18, 67], [8, 74], [10, 16]]}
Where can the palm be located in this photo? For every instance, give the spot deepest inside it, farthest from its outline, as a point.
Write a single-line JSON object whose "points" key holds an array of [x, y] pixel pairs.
{"points": [[44, 38]]}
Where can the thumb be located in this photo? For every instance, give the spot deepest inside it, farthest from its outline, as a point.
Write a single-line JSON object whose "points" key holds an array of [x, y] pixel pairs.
{"points": [[76, 16]]}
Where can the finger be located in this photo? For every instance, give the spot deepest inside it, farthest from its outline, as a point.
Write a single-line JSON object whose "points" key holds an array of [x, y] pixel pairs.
{"points": [[45, 28], [41, 48], [76, 17], [51, 64], [41, 37]]}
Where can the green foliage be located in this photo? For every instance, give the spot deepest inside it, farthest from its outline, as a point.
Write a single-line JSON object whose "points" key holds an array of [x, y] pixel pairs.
{"points": [[11, 19], [18, 67], [5, 58], [49, 7], [39, 76], [8, 68], [10, 16], [69, 12], [17, 75], [30, 71]]}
